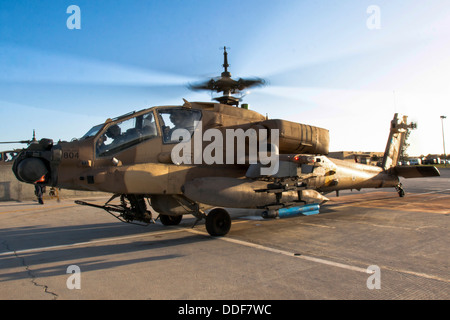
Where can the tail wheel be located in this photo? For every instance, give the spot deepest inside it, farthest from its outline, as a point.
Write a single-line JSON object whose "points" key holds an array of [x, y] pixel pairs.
{"points": [[218, 222], [170, 220]]}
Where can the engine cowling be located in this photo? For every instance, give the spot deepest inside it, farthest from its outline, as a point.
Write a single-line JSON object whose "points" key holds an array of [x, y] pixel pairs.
{"points": [[299, 138]]}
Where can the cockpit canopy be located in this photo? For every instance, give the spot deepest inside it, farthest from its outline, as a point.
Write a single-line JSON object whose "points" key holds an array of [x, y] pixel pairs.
{"points": [[127, 131], [123, 134], [179, 118]]}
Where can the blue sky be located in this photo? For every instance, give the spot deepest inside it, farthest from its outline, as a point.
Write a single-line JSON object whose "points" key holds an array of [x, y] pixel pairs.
{"points": [[324, 66]]}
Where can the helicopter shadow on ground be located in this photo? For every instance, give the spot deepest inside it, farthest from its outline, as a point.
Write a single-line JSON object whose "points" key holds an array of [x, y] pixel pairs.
{"points": [[89, 257]]}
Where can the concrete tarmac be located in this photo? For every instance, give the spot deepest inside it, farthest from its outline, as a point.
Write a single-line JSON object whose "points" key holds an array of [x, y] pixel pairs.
{"points": [[363, 245]]}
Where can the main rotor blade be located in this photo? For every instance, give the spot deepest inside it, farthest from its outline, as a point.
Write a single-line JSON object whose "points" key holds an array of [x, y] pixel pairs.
{"points": [[67, 69], [11, 142], [227, 84]]}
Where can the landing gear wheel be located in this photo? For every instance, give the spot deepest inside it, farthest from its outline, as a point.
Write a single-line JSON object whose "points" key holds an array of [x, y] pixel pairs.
{"points": [[170, 220], [218, 222]]}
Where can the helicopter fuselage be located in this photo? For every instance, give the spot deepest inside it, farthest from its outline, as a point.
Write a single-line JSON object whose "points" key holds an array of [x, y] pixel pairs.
{"points": [[184, 159]]}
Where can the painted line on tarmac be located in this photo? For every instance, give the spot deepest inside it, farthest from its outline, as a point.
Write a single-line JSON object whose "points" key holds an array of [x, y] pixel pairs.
{"points": [[365, 203], [180, 229], [39, 208], [175, 229], [319, 260], [34, 206], [286, 253], [91, 242], [417, 274]]}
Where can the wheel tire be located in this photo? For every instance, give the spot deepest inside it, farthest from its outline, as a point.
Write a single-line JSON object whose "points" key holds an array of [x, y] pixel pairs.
{"points": [[170, 220], [218, 222]]}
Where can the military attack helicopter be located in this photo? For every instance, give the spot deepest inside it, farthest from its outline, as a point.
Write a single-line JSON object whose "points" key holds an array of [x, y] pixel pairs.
{"points": [[200, 158]]}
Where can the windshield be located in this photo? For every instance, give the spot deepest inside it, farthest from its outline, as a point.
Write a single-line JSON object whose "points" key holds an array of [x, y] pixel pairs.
{"points": [[93, 131], [127, 133]]}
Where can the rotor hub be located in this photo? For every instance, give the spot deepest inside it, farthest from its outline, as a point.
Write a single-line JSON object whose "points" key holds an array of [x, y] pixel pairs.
{"points": [[226, 85]]}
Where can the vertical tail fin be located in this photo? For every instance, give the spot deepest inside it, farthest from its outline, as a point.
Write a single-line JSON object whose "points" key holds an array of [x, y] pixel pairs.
{"points": [[399, 128]]}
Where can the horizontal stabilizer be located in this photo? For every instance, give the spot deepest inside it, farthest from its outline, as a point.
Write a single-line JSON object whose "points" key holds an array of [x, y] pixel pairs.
{"points": [[415, 171]]}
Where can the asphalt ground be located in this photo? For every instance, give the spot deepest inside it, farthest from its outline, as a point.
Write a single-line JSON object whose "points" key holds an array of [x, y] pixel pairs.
{"points": [[363, 245]]}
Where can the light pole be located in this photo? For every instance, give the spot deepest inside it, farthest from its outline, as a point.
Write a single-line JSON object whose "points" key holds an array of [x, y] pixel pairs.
{"points": [[443, 139]]}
